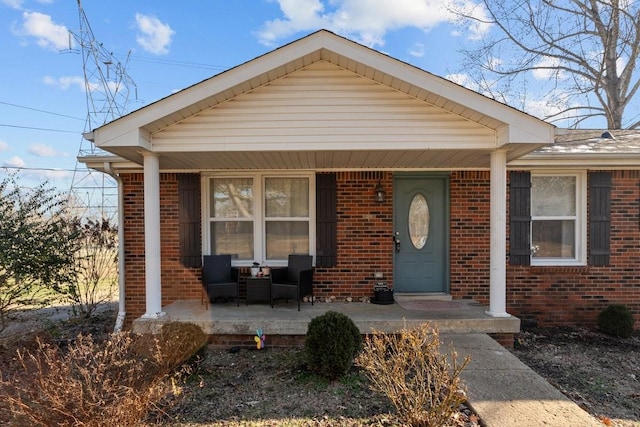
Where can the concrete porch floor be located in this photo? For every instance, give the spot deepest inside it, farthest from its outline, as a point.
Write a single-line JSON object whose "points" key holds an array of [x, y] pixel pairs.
{"points": [[457, 316]]}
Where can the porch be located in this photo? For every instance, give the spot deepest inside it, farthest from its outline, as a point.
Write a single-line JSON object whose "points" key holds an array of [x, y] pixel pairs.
{"points": [[283, 325]]}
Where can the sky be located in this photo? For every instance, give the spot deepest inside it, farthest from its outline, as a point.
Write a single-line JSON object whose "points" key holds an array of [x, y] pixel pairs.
{"points": [[165, 46]]}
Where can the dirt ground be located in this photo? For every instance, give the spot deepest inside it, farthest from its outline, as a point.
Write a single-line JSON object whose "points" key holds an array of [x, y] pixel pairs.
{"points": [[237, 387], [271, 387], [598, 372]]}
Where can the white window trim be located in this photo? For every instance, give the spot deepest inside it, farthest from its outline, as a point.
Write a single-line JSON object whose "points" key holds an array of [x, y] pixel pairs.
{"points": [[259, 243], [581, 220]]}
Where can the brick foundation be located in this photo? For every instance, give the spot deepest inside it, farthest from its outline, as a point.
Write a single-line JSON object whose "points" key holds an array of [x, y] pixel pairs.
{"points": [[505, 340]]}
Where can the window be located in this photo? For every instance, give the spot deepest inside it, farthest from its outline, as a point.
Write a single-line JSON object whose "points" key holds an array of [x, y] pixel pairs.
{"points": [[261, 218], [286, 217], [558, 225]]}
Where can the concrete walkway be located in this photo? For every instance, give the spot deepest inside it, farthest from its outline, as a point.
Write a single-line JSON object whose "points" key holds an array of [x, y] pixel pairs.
{"points": [[505, 392]]}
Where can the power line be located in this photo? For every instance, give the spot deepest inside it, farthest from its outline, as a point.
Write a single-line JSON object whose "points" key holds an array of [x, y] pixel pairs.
{"points": [[24, 168], [177, 63], [41, 111], [41, 129]]}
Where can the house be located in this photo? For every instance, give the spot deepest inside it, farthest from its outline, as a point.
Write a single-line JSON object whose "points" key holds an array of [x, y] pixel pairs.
{"points": [[284, 154]]}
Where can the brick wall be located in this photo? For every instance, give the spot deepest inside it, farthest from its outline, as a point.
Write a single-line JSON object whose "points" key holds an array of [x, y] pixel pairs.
{"points": [[555, 296], [365, 228], [178, 282], [470, 238], [133, 189], [367, 247], [546, 295]]}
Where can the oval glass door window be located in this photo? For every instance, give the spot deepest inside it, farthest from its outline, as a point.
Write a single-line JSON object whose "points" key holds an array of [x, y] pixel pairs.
{"points": [[419, 221]]}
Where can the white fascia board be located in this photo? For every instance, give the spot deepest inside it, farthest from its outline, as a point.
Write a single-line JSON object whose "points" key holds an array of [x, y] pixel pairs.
{"points": [[108, 163], [106, 137]]}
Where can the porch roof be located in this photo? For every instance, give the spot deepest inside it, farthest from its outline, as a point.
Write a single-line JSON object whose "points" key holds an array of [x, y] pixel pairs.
{"points": [[594, 148], [486, 124]]}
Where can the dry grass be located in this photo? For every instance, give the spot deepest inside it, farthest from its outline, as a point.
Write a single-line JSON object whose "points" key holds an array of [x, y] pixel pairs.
{"points": [[257, 388], [89, 383], [422, 383]]}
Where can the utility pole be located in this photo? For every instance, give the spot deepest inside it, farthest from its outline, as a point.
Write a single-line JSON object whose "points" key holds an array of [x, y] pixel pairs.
{"points": [[108, 88]]}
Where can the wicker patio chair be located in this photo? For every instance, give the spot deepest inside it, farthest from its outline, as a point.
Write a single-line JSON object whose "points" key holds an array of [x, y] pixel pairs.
{"points": [[219, 279], [293, 281]]}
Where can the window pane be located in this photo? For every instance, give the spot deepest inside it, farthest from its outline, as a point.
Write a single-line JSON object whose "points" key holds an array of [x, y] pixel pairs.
{"points": [[287, 237], [419, 221], [553, 239], [232, 237], [232, 198], [553, 195], [286, 198]]}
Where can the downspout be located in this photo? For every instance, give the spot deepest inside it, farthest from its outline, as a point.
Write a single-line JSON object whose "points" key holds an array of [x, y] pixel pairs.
{"points": [[121, 291]]}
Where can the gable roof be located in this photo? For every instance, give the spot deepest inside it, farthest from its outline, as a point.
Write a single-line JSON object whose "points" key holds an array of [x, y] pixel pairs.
{"points": [[496, 125]]}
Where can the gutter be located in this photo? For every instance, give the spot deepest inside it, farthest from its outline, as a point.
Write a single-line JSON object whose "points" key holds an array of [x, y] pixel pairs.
{"points": [[121, 291]]}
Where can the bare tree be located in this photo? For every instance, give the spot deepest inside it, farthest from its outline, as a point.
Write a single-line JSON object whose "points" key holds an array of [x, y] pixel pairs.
{"points": [[587, 51]]}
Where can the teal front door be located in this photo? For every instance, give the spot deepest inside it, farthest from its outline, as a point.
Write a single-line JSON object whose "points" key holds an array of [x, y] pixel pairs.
{"points": [[421, 234]]}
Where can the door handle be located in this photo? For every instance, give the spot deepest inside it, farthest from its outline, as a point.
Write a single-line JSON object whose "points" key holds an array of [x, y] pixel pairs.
{"points": [[396, 241]]}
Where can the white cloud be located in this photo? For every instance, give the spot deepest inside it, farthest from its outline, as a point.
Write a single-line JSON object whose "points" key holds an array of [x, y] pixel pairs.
{"points": [[51, 174], [154, 36], [42, 150], [65, 83], [417, 50], [462, 80], [299, 15], [48, 34], [14, 4], [550, 68], [3, 146], [17, 4], [493, 63], [366, 21], [557, 105], [477, 27], [14, 162]]}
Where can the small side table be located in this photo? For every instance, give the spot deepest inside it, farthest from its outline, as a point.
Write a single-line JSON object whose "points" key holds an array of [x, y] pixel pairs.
{"points": [[259, 289]]}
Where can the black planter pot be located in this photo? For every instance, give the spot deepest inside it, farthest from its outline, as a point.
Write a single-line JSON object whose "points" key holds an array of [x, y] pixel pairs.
{"points": [[383, 296]]}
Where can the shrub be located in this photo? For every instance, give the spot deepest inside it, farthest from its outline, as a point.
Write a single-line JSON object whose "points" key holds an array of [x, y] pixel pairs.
{"points": [[409, 369], [331, 344], [95, 384], [175, 343], [616, 320]]}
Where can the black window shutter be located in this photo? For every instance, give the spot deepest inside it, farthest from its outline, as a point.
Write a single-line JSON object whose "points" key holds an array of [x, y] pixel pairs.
{"points": [[599, 217], [326, 220], [520, 218], [189, 219]]}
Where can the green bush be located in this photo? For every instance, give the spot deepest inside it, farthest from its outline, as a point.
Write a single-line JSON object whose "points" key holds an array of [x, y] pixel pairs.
{"points": [[616, 320], [331, 344]]}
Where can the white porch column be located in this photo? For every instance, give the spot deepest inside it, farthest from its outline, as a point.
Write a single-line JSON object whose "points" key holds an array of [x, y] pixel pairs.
{"points": [[498, 267], [153, 286]]}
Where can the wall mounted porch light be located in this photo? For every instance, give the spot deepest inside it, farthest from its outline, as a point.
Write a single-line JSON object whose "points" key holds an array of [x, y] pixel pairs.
{"points": [[379, 193]]}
